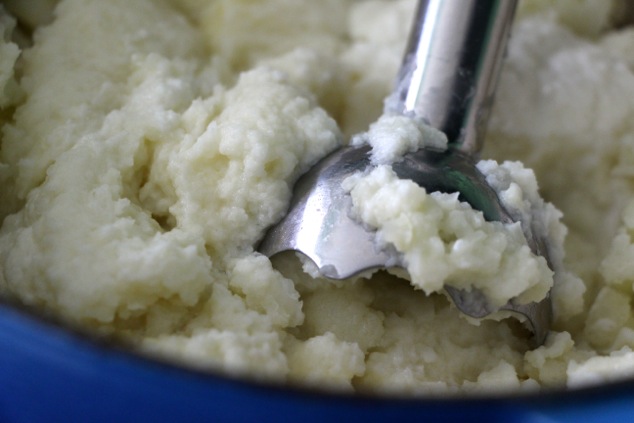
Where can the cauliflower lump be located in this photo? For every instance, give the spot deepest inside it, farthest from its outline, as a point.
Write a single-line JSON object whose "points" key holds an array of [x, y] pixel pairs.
{"points": [[141, 162]]}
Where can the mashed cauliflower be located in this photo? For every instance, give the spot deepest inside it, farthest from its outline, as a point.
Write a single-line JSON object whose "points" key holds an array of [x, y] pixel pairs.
{"points": [[444, 241], [146, 146]]}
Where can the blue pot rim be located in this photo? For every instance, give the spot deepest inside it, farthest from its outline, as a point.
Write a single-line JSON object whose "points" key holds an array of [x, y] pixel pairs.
{"points": [[44, 359]]}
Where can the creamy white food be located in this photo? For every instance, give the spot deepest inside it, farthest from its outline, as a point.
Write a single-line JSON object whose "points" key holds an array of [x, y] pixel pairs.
{"points": [[442, 240], [146, 146]]}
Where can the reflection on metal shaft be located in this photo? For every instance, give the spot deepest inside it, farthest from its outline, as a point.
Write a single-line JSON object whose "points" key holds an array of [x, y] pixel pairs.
{"points": [[451, 67]]}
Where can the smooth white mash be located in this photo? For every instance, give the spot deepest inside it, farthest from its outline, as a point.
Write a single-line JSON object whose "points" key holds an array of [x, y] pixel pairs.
{"points": [[146, 146]]}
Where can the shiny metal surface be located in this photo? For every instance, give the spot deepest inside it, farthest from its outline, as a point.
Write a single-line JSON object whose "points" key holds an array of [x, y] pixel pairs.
{"points": [[319, 222], [451, 66], [453, 58]]}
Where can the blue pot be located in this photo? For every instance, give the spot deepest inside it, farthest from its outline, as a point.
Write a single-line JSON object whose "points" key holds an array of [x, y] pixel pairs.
{"points": [[49, 373]]}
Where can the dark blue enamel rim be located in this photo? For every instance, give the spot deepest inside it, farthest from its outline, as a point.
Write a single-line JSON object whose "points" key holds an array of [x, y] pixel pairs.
{"points": [[51, 373]]}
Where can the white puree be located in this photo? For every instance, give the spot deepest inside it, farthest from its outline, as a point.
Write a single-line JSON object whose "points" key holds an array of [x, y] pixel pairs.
{"points": [[147, 145], [444, 241]]}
